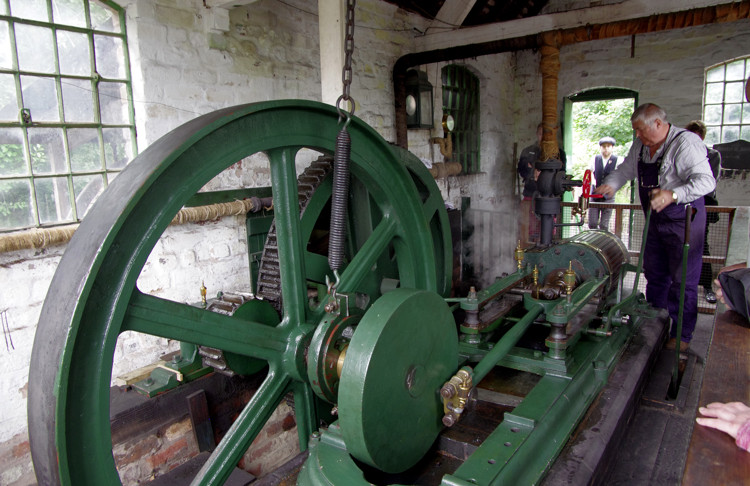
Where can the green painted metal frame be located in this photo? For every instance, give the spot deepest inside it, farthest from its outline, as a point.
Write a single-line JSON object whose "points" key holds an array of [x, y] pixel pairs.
{"points": [[523, 447], [93, 296]]}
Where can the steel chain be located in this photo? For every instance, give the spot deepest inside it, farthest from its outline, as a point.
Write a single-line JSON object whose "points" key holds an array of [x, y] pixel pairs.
{"points": [[346, 75]]}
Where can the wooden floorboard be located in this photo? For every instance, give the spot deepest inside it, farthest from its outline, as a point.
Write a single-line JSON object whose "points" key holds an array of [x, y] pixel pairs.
{"points": [[713, 457]]}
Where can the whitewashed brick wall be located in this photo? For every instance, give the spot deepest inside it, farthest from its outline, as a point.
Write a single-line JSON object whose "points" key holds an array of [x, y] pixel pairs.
{"points": [[270, 51]]}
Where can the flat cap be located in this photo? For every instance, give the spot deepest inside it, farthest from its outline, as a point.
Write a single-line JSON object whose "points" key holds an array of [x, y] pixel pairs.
{"points": [[609, 140]]}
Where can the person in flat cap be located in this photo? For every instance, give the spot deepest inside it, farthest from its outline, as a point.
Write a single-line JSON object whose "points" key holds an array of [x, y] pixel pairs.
{"points": [[601, 167]]}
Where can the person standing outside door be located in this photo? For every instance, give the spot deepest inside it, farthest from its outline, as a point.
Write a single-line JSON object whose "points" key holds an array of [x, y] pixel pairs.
{"points": [[602, 166]]}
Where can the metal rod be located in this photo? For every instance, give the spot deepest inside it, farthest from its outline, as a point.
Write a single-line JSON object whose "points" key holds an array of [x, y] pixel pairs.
{"points": [[673, 386], [643, 250], [504, 345]]}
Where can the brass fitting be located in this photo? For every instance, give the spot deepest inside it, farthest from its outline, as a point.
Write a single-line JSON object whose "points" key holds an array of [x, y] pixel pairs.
{"points": [[519, 254], [569, 277], [340, 360], [203, 293], [455, 394]]}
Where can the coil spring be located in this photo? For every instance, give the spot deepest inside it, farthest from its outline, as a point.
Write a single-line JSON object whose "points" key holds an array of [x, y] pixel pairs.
{"points": [[339, 196]]}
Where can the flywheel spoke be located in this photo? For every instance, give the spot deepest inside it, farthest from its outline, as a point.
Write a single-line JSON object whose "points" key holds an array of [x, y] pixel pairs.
{"points": [[244, 430], [288, 233], [182, 322], [362, 263]]}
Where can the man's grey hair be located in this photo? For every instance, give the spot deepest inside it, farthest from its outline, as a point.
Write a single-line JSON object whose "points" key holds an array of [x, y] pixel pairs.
{"points": [[648, 113]]}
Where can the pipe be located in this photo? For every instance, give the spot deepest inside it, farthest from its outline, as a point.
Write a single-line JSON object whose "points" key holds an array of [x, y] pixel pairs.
{"points": [[728, 12], [461, 52]]}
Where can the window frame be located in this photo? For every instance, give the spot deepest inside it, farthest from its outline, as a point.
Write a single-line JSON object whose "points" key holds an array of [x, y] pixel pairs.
{"points": [[461, 91], [64, 175], [716, 130]]}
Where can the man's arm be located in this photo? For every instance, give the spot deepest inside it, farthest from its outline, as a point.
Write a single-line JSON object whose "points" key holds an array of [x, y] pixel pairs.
{"points": [[693, 172]]}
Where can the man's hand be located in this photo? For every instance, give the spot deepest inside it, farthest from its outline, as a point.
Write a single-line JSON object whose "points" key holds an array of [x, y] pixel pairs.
{"points": [[728, 417], [660, 199], [605, 189]]}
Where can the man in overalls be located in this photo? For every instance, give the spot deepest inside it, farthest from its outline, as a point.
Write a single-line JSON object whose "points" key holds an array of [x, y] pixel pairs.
{"points": [[673, 172]]}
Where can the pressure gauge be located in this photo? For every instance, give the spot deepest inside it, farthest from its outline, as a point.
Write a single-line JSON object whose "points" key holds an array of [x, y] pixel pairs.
{"points": [[448, 123]]}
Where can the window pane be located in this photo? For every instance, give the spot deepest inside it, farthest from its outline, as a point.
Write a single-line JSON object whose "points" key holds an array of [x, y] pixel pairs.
{"points": [[746, 113], [734, 92], [74, 52], [86, 189], [30, 9], [15, 204], [109, 57], [78, 103], [111, 176], [6, 57], [713, 135], [69, 12], [745, 133], [8, 100], [40, 96], [47, 151], [730, 133], [53, 200], [715, 74], [12, 161], [3, 8], [732, 113], [85, 154], [103, 18], [712, 115], [736, 70], [118, 147], [715, 93], [35, 47], [113, 103]]}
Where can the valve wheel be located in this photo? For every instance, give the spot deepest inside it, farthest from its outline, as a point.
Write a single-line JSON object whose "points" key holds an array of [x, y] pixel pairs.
{"points": [[93, 296], [586, 187]]}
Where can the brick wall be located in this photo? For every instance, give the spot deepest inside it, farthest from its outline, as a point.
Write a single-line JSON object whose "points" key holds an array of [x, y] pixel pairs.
{"points": [[269, 50]]}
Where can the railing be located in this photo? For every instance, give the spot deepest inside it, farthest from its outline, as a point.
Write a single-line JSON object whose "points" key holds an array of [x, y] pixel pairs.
{"points": [[627, 223], [486, 248]]}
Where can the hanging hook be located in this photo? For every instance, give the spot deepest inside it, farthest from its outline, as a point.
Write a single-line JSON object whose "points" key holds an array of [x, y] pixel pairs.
{"points": [[343, 113]]}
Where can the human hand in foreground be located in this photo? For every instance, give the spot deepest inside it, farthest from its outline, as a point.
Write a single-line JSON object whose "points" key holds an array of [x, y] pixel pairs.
{"points": [[605, 189], [727, 417]]}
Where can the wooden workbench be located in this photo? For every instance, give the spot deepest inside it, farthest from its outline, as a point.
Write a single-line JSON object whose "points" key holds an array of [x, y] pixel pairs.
{"points": [[713, 457]]}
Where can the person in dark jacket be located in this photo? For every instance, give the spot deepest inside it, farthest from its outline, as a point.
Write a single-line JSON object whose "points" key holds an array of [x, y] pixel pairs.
{"points": [[603, 165], [710, 199], [530, 227]]}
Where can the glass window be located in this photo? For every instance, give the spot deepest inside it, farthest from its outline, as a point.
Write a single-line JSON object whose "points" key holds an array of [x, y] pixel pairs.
{"points": [[726, 112], [461, 101], [64, 132]]}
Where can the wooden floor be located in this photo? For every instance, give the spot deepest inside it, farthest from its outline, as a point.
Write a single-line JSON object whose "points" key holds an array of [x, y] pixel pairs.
{"points": [[664, 445], [654, 449], [713, 457]]}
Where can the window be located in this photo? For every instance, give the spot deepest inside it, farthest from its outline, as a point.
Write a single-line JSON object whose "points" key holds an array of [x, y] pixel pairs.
{"points": [[66, 115], [726, 112], [461, 101]]}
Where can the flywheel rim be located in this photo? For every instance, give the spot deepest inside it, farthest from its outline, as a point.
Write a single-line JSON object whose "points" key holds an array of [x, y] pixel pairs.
{"points": [[104, 260]]}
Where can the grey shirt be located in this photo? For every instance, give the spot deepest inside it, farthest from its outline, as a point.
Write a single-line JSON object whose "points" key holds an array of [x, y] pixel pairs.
{"points": [[684, 168]]}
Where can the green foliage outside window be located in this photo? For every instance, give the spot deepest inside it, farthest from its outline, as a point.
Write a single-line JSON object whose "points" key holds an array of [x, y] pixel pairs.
{"points": [[592, 120]]}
